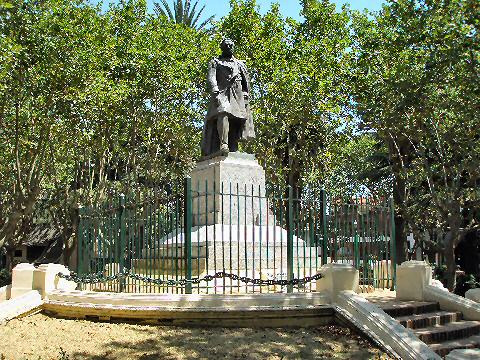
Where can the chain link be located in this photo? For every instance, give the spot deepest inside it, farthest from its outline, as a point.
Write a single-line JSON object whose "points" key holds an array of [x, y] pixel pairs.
{"points": [[99, 278]]}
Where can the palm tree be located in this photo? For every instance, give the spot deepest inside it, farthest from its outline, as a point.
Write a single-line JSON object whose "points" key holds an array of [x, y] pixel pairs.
{"points": [[182, 13]]}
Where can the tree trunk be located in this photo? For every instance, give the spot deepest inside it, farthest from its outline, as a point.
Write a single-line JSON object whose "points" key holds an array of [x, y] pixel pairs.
{"points": [[451, 266], [451, 241], [291, 162], [400, 233], [9, 259], [400, 239], [23, 208]]}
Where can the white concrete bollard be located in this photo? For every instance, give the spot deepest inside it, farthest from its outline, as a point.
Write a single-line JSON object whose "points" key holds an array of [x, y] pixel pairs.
{"points": [[5, 292], [45, 279], [336, 278], [22, 279], [412, 277], [473, 294]]}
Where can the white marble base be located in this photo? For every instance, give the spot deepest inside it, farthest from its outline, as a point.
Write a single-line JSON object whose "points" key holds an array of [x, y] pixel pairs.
{"points": [[229, 190], [241, 247]]}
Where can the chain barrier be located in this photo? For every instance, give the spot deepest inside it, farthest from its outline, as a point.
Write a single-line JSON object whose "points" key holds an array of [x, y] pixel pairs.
{"points": [[99, 278]]}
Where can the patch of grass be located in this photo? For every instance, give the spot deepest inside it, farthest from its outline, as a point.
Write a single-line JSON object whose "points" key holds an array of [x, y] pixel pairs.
{"points": [[81, 339]]}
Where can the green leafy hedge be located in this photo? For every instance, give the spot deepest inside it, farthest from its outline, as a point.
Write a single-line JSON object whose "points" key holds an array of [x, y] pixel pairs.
{"points": [[5, 277]]}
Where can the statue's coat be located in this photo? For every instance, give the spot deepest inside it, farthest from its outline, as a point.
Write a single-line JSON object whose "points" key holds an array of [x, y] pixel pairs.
{"points": [[230, 78]]}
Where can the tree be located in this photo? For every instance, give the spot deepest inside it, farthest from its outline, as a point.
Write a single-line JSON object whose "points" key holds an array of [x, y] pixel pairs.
{"points": [[417, 87], [300, 98], [92, 102], [139, 115], [361, 167], [183, 13], [32, 97]]}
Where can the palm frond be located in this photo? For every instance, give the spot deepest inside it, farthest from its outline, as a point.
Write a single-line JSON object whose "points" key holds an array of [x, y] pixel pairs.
{"points": [[186, 12], [163, 9], [191, 13], [194, 18], [183, 13], [179, 12], [159, 10], [202, 25]]}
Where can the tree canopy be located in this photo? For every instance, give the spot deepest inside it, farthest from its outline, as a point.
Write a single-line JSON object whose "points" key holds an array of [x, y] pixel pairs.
{"points": [[417, 86], [105, 100], [379, 103]]}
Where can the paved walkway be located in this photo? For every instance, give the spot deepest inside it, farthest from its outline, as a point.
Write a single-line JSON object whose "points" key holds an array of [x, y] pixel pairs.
{"points": [[380, 296]]}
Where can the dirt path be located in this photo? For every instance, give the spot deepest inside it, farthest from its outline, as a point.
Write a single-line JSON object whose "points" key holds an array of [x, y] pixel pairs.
{"points": [[40, 337]]}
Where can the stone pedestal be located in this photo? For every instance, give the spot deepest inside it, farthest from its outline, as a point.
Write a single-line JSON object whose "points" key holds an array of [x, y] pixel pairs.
{"points": [[242, 249], [229, 190], [336, 278], [234, 228], [45, 279], [412, 277], [22, 279], [473, 294]]}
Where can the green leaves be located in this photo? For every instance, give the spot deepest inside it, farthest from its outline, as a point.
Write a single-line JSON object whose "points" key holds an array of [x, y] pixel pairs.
{"points": [[96, 101], [299, 75], [417, 85], [93, 100]]}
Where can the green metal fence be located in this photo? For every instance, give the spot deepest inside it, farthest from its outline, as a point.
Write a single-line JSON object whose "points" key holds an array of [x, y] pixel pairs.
{"points": [[248, 231]]}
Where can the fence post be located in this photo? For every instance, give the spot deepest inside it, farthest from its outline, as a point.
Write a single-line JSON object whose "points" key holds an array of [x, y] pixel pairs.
{"points": [[121, 260], [81, 215], [393, 243], [187, 235], [323, 195], [290, 231]]}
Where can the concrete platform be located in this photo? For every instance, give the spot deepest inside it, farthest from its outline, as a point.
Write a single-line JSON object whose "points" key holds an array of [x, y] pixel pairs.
{"points": [[259, 310]]}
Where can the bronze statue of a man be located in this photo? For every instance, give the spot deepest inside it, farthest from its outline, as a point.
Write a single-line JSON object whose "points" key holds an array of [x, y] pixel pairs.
{"points": [[229, 118]]}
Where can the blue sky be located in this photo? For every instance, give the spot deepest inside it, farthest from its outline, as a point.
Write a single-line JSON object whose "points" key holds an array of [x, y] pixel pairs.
{"points": [[290, 8]]}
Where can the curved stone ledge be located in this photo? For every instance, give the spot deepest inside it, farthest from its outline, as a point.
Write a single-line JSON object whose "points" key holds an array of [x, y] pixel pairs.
{"points": [[473, 294], [263, 310], [189, 300]]}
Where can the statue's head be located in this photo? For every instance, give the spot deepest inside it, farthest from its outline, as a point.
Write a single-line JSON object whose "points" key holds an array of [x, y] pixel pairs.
{"points": [[227, 46]]}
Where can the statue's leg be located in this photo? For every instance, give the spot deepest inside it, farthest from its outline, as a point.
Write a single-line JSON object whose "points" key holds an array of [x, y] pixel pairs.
{"points": [[223, 128], [234, 134]]}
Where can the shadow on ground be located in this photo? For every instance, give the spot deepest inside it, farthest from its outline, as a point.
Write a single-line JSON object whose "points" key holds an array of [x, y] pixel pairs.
{"points": [[150, 342]]}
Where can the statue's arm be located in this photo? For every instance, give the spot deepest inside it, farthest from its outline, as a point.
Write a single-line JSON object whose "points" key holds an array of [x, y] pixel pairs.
{"points": [[212, 77], [245, 79]]}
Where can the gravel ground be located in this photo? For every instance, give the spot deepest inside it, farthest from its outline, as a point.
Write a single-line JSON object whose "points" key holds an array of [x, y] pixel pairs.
{"points": [[40, 337]]}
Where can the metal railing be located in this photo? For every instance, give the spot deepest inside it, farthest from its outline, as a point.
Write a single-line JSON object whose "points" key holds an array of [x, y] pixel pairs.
{"points": [[273, 236]]}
